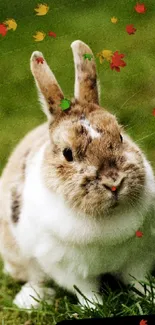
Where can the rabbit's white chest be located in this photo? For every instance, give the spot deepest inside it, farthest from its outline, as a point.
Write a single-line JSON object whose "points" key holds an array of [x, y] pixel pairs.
{"points": [[65, 263], [65, 247]]}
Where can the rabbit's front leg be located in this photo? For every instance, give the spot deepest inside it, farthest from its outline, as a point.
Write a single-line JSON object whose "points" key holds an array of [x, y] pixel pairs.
{"points": [[31, 294], [90, 289], [138, 272], [34, 290]]}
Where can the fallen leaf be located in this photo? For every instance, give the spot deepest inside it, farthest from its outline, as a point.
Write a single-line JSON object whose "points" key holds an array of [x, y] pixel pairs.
{"points": [[140, 8], [3, 29], [117, 61], [139, 233], [143, 322], [39, 36], [153, 112], [114, 20], [65, 104], [11, 24], [42, 9], [105, 55], [114, 188], [130, 29], [52, 34], [100, 56], [88, 56], [40, 60]]}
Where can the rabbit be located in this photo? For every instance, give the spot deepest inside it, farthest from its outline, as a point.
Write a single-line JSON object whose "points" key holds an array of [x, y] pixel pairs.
{"points": [[76, 196]]}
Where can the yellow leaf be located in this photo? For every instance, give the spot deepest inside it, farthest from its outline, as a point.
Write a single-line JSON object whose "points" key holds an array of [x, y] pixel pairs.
{"points": [[114, 20], [11, 24], [107, 54], [39, 36], [100, 56], [42, 9], [101, 59]]}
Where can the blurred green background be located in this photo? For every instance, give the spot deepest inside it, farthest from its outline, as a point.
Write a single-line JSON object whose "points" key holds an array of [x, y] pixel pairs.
{"points": [[129, 94]]}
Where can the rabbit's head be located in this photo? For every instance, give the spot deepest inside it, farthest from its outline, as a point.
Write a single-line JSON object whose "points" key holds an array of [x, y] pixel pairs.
{"points": [[90, 161]]}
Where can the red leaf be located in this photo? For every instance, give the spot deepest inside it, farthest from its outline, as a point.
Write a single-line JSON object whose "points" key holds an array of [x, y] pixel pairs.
{"points": [[117, 61], [153, 112], [40, 60], [116, 68], [140, 8], [139, 233], [130, 29], [3, 29], [52, 34], [143, 322]]}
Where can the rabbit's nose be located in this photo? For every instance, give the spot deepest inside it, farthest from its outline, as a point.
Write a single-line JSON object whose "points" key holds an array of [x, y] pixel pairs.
{"points": [[112, 186], [114, 191]]}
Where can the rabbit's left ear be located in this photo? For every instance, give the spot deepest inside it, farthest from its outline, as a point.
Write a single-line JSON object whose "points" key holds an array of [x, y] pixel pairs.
{"points": [[86, 88], [50, 93]]}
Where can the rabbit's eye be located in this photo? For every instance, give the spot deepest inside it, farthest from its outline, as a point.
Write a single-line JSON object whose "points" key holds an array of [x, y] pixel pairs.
{"points": [[68, 154], [121, 138]]}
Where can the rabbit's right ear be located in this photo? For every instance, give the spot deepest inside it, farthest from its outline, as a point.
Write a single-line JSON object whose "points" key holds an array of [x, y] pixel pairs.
{"points": [[86, 86], [50, 93]]}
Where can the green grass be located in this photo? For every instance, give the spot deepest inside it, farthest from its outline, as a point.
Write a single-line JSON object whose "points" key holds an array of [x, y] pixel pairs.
{"points": [[118, 302], [129, 94]]}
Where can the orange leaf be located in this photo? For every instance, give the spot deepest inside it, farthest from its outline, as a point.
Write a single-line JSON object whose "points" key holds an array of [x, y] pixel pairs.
{"points": [[52, 34], [117, 61], [143, 322], [139, 234], [3, 29], [40, 60], [130, 29], [114, 188], [140, 8]]}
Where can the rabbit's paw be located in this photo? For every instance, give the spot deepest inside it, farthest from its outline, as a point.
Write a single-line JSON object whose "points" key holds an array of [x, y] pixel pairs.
{"points": [[30, 296]]}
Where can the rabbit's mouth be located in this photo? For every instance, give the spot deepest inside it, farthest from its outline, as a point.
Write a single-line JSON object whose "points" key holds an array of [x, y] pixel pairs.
{"points": [[115, 202], [114, 205], [115, 199], [124, 200], [99, 199]]}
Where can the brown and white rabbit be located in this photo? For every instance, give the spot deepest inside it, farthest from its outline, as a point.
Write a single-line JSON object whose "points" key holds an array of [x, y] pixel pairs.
{"points": [[74, 193]]}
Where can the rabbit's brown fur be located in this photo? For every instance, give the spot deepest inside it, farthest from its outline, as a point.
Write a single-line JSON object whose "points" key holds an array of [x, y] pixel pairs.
{"points": [[72, 218]]}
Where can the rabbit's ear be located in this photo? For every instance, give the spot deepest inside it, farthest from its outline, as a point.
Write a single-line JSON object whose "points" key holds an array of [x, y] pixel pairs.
{"points": [[86, 87], [50, 93]]}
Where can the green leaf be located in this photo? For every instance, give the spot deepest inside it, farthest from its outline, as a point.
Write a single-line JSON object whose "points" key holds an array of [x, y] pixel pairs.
{"points": [[88, 56], [65, 104]]}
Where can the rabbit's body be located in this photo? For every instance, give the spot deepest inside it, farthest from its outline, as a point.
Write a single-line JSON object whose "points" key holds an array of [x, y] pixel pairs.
{"points": [[11, 200], [54, 225]]}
